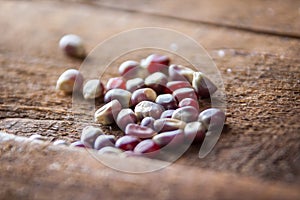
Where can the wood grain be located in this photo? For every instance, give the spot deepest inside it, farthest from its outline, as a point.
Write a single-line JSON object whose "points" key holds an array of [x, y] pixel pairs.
{"points": [[70, 174], [270, 17]]}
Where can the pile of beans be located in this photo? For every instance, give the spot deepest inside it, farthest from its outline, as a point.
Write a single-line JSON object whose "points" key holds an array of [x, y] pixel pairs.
{"points": [[154, 103]]}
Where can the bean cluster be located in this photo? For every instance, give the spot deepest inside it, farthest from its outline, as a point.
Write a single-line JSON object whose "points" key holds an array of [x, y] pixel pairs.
{"points": [[154, 103]]}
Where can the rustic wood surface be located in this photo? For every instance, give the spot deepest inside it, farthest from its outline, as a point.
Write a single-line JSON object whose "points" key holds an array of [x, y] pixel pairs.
{"points": [[68, 173], [257, 16], [259, 146]]}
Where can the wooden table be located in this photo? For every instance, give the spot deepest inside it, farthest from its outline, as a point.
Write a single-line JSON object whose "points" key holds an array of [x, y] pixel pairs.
{"points": [[258, 154]]}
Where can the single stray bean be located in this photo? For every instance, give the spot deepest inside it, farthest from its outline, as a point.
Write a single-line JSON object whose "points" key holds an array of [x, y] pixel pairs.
{"points": [[72, 45]]}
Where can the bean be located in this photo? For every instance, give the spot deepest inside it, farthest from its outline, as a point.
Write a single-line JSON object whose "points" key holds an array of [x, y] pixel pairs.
{"points": [[104, 141], [110, 150], [148, 122], [125, 117], [167, 114], [108, 113], [116, 82], [127, 66], [212, 118], [156, 59], [189, 102], [70, 81], [183, 93], [139, 131], [157, 81], [170, 138], [174, 85], [89, 135], [127, 142], [77, 144], [148, 148], [180, 73], [194, 131], [60, 142], [168, 124], [202, 85], [186, 114], [143, 94], [167, 101], [72, 45], [38, 137], [156, 63], [148, 109], [136, 72], [134, 84], [123, 96], [93, 89]]}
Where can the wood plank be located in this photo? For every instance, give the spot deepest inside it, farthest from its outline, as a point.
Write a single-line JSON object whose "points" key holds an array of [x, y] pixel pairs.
{"points": [[92, 24], [262, 84], [274, 17], [69, 174]]}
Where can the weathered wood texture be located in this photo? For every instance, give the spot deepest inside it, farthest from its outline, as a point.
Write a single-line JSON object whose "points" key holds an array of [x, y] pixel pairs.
{"points": [[261, 73], [66, 173], [257, 16]]}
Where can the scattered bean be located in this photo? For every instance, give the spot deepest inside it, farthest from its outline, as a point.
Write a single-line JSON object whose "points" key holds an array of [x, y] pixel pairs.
{"points": [[70, 81], [157, 81], [212, 118], [167, 101], [60, 142], [139, 131], [93, 89], [148, 122], [202, 85], [136, 72], [168, 124], [123, 96], [183, 93], [143, 94], [38, 137], [148, 109], [174, 85], [125, 117], [110, 150], [127, 142], [189, 102], [104, 141], [155, 59], [168, 111], [134, 84], [77, 144], [72, 45], [127, 66], [170, 138], [180, 73], [89, 135], [116, 82], [186, 114], [194, 131], [167, 114], [156, 63], [108, 113], [148, 148]]}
